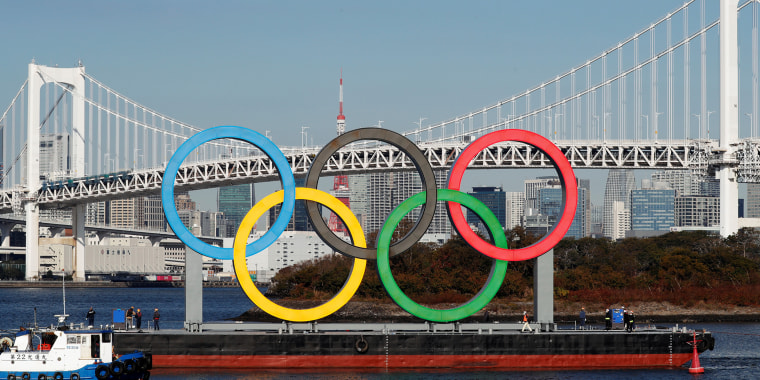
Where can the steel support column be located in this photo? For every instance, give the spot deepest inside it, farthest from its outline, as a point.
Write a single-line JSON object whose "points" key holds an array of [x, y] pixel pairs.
{"points": [[729, 117]]}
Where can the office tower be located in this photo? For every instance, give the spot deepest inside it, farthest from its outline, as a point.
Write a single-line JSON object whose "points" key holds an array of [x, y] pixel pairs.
{"points": [[126, 213], [388, 190], [359, 197], [550, 205], [753, 200], [620, 182], [622, 221], [515, 209], [652, 207], [300, 219], [494, 198], [697, 211], [154, 218], [532, 187], [235, 201]]}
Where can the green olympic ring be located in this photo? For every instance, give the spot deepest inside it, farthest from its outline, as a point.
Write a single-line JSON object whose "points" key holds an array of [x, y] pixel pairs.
{"points": [[495, 279]]}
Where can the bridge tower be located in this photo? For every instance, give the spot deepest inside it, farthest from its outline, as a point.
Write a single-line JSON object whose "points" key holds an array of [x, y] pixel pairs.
{"points": [[340, 183], [729, 117], [39, 76]]}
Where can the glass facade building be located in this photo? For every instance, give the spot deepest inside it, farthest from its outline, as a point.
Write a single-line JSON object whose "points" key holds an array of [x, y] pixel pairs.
{"points": [[234, 202], [652, 209], [494, 198], [551, 205]]}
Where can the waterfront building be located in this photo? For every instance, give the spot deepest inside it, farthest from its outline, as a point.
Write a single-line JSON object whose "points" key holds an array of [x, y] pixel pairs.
{"points": [[292, 247]]}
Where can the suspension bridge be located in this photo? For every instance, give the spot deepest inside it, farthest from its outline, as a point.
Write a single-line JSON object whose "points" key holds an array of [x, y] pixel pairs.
{"points": [[645, 103]]}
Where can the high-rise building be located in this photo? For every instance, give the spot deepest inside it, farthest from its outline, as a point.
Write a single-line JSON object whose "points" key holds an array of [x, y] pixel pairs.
{"points": [[684, 182], [300, 219], [359, 197], [154, 218], [652, 207], [494, 198], [752, 203], [697, 211], [55, 158], [127, 213], [234, 202], [532, 188], [550, 205], [515, 209], [388, 190], [622, 221], [620, 182]]}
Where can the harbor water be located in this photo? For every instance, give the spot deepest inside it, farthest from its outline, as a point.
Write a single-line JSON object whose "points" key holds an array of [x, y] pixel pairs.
{"points": [[736, 354]]}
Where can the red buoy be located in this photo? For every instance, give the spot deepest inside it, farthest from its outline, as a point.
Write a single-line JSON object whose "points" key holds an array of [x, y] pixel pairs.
{"points": [[695, 367]]}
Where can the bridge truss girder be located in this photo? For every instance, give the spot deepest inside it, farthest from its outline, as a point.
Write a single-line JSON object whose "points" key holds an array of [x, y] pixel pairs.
{"points": [[698, 156]]}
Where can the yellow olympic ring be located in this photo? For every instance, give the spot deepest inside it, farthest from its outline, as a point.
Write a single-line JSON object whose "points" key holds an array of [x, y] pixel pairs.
{"points": [[299, 315]]}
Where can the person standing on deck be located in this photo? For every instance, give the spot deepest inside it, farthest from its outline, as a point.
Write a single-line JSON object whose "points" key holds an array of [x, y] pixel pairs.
{"points": [[582, 318], [156, 317], [138, 319], [90, 317], [525, 322], [608, 319]]}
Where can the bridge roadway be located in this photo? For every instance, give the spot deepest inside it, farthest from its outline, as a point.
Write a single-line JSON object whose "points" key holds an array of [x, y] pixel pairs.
{"points": [[687, 154], [62, 224]]}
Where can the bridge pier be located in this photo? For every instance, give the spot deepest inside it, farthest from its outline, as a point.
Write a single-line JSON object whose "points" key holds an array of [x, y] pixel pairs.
{"points": [[78, 216], [729, 117], [5, 231]]}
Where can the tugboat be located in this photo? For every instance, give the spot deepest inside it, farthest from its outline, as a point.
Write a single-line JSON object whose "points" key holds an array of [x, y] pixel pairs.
{"points": [[68, 352], [65, 353]]}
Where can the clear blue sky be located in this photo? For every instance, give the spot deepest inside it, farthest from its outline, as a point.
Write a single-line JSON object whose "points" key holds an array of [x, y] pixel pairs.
{"points": [[274, 65]]}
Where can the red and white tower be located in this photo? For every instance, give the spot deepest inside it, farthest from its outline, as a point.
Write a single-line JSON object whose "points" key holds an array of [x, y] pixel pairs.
{"points": [[340, 184]]}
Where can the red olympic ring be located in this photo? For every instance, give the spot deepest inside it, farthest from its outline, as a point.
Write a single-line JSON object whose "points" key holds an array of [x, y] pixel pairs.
{"points": [[569, 195]]}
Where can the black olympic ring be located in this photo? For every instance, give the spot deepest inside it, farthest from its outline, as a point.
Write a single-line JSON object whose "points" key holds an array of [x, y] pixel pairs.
{"points": [[412, 152]]}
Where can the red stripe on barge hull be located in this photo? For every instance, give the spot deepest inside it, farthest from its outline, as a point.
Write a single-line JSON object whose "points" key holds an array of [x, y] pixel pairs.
{"points": [[423, 361]]}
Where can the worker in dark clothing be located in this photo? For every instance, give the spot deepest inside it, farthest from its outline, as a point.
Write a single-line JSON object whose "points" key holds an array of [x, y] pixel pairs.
{"points": [[90, 317], [582, 318], [608, 319], [631, 321], [156, 317], [138, 319]]}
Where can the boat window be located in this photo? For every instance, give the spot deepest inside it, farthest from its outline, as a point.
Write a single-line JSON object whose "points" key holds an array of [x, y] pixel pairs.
{"points": [[106, 338], [71, 339]]}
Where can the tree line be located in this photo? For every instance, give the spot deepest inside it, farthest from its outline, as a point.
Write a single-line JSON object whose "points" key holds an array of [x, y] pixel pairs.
{"points": [[680, 267]]}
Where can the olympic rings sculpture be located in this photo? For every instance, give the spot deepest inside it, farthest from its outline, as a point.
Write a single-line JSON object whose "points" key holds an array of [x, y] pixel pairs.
{"points": [[427, 198]]}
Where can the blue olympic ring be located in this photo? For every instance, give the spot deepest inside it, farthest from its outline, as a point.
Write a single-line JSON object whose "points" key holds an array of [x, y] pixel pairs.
{"points": [[238, 133]]}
